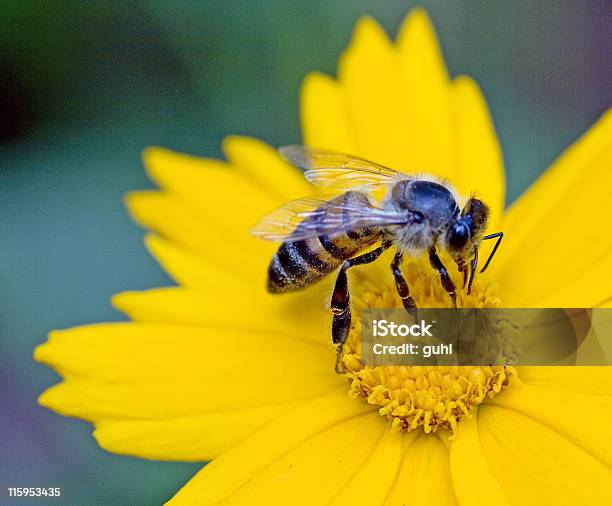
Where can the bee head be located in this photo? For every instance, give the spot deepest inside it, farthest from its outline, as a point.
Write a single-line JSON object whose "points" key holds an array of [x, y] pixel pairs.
{"points": [[477, 211], [465, 233]]}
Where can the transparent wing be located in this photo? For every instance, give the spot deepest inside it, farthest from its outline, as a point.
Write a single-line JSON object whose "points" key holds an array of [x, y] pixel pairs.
{"points": [[339, 171], [315, 216]]}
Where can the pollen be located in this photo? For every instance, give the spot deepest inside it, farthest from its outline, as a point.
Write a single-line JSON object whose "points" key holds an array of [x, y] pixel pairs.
{"points": [[427, 397]]}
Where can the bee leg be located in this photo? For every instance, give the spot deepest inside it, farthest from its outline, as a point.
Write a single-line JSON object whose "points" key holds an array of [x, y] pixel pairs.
{"points": [[340, 301], [401, 285], [341, 309], [338, 367], [473, 267], [447, 282], [463, 269]]}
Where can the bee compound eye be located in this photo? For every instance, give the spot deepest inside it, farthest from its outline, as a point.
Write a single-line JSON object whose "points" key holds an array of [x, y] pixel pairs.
{"points": [[459, 235]]}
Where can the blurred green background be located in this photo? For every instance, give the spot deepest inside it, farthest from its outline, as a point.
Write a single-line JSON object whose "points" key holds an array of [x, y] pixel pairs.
{"points": [[84, 86]]}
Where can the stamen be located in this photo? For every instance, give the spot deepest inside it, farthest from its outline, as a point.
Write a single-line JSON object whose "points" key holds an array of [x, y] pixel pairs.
{"points": [[431, 397]]}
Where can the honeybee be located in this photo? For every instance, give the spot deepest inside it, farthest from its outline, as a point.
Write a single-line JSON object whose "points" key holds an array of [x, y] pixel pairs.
{"points": [[417, 215]]}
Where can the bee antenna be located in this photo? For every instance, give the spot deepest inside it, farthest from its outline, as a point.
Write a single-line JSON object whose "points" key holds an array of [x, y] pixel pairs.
{"points": [[499, 236]]}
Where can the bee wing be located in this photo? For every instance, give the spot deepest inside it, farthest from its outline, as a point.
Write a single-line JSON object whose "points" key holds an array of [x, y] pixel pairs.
{"points": [[316, 216], [339, 171]]}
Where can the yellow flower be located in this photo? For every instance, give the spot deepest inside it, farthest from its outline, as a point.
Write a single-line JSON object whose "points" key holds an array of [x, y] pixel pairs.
{"points": [[218, 369]]}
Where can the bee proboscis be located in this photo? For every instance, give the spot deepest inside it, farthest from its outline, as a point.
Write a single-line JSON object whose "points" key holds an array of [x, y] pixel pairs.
{"points": [[418, 214]]}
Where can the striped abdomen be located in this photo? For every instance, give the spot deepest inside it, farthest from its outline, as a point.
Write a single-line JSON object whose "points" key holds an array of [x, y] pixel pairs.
{"points": [[298, 264]]}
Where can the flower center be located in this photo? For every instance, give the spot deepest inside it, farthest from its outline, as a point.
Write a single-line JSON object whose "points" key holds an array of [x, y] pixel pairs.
{"points": [[420, 396]]}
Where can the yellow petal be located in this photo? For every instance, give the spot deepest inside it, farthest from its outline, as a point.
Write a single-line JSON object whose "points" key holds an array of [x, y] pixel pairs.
{"points": [[536, 465], [192, 270], [584, 420], [426, 92], [473, 480], [564, 213], [421, 58], [95, 400], [528, 211], [323, 442], [191, 213], [605, 303], [370, 78], [424, 477], [263, 164], [327, 461], [172, 218], [324, 116], [240, 306], [194, 438], [195, 180], [575, 380], [137, 370], [372, 481], [585, 288], [477, 151]]}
